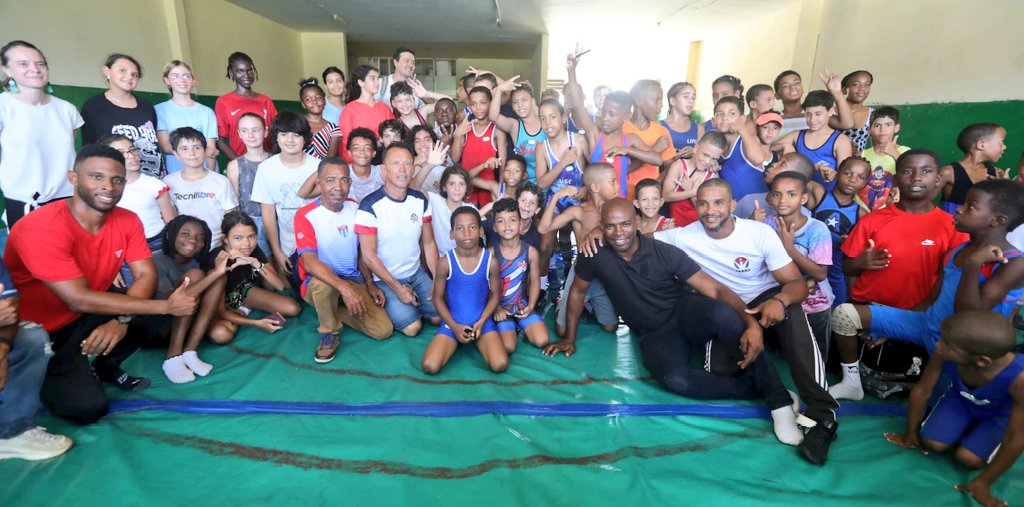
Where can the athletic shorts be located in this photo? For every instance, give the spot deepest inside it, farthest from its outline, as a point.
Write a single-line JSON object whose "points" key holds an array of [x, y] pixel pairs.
{"points": [[951, 423]]}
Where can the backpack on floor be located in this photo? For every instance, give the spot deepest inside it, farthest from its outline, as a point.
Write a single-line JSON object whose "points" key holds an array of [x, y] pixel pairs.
{"points": [[891, 368]]}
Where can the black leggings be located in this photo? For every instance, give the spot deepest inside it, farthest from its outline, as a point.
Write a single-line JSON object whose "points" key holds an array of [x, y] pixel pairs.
{"points": [[70, 389], [800, 349], [696, 322]]}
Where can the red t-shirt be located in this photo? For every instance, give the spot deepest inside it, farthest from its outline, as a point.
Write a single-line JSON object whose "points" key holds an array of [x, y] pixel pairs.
{"points": [[49, 245], [357, 114], [231, 106], [917, 243]]}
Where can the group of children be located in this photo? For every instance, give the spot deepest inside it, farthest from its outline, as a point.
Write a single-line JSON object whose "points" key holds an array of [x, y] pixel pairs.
{"points": [[507, 180]]}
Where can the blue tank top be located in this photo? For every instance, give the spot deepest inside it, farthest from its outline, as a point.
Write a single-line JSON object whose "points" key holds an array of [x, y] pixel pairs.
{"points": [[466, 293], [526, 146], [682, 140], [839, 219], [944, 305], [514, 278], [708, 126], [571, 175], [821, 154], [745, 178], [597, 156], [990, 400]]}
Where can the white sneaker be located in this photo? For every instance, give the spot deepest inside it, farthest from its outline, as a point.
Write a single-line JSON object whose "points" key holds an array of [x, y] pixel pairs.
{"points": [[34, 444]]}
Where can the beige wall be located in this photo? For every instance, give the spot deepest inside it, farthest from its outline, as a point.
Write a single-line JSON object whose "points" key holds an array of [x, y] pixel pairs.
{"points": [[203, 32], [322, 50], [77, 36], [923, 52], [218, 28]]}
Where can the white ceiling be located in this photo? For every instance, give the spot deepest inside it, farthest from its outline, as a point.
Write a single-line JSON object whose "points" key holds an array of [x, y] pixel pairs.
{"points": [[521, 20]]}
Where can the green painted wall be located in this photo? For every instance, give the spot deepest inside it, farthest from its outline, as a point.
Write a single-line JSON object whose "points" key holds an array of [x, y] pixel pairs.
{"points": [[936, 126]]}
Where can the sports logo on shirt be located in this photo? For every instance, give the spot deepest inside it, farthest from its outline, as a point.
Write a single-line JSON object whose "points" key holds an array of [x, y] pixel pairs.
{"points": [[927, 242], [741, 264], [343, 230], [236, 111], [118, 253], [414, 218]]}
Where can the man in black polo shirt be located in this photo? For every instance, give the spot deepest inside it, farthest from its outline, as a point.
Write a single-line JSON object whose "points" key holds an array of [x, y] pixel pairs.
{"points": [[649, 277]]}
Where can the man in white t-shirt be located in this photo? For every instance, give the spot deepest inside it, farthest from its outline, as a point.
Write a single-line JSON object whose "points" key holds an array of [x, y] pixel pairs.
{"points": [[335, 281], [393, 224], [748, 257]]}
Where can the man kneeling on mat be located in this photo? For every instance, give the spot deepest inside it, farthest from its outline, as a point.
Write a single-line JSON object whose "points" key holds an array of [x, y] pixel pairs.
{"points": [[650, 278]]}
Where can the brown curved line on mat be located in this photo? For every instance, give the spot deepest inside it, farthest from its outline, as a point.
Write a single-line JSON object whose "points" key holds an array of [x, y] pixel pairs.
{"points": [[417, 380], [368, 466]]}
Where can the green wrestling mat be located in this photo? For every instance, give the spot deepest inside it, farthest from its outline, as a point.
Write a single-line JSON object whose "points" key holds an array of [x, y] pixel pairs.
{"points": [[271, 427]]}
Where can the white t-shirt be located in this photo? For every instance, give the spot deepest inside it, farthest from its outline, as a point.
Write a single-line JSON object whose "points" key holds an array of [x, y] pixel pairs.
{"points": [[362, 187], [1016, 237], [140, 198], [37, 148], [279, 185], [207, 199], [432, 183], [441, 222], [743, 261], [398, 226]]}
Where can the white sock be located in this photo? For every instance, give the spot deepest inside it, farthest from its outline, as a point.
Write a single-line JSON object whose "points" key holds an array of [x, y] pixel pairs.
{"points": [[198, 366], [176, 371], [850, 388], [786, 430], [851, 373]]}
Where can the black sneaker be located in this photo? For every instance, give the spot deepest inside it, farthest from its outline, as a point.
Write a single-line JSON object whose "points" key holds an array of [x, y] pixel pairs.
{"points": [[126, 382], [814, 448]]}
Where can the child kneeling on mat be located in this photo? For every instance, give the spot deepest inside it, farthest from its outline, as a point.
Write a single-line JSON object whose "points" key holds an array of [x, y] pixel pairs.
{"points": [[466, 290], [981, 410]]}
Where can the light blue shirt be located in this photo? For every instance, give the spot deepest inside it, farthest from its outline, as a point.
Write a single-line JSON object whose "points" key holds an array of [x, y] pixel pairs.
{"points": [[170, 116]]}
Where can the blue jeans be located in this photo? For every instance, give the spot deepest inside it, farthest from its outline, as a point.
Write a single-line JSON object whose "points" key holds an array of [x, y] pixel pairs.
{"points": [[19, 399], [403, 315]]}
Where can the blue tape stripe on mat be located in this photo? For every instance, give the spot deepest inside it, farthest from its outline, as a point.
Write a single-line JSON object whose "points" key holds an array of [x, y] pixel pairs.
{"points": [[475, 408]]}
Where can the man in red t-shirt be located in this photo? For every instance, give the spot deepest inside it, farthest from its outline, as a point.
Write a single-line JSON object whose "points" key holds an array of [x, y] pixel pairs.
{"points": [[895, 254], [63, 257]]}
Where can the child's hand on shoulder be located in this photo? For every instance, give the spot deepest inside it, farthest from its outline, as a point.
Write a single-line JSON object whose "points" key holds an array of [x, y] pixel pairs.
{"points": [[986, 254]]}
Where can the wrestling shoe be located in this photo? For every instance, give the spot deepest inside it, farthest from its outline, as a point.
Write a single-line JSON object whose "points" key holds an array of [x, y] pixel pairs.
{"points": [[814, 448]]}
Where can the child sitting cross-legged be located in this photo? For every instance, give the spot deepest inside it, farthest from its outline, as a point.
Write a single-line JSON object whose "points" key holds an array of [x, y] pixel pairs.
{"points": [[981, 410]]}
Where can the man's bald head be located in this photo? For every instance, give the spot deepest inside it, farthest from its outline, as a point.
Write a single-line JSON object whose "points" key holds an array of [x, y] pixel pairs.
{"points": [[617, 204]]}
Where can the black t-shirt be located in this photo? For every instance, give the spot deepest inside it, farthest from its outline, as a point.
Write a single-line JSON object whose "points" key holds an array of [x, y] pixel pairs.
{"points": [[645, 290], [102, 117], [241, 274], [532, 236]]}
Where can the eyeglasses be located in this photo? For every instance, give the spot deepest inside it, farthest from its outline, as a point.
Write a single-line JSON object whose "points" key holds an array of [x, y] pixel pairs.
{"points": [[179, 76], [133, 151]]}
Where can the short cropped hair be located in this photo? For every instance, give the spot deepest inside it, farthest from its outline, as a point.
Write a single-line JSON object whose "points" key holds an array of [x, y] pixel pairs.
{"points": [[187, 134], [918, 151], [97, 150], [756, 90], [792, 175], [716, 139], [973, 133], [886, 112], [363, 133], [1007, 198], [465, 210], [818, 98]]}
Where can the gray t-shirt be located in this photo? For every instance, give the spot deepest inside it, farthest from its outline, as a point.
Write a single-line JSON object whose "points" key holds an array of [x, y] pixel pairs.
{"points": [[168, 273]]}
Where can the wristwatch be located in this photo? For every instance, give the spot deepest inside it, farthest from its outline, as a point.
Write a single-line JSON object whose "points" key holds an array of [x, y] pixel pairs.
{"points": [[124, 319]]}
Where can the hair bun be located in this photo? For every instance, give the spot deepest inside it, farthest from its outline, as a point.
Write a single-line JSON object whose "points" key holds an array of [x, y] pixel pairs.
{"points": [[309, 82]]}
